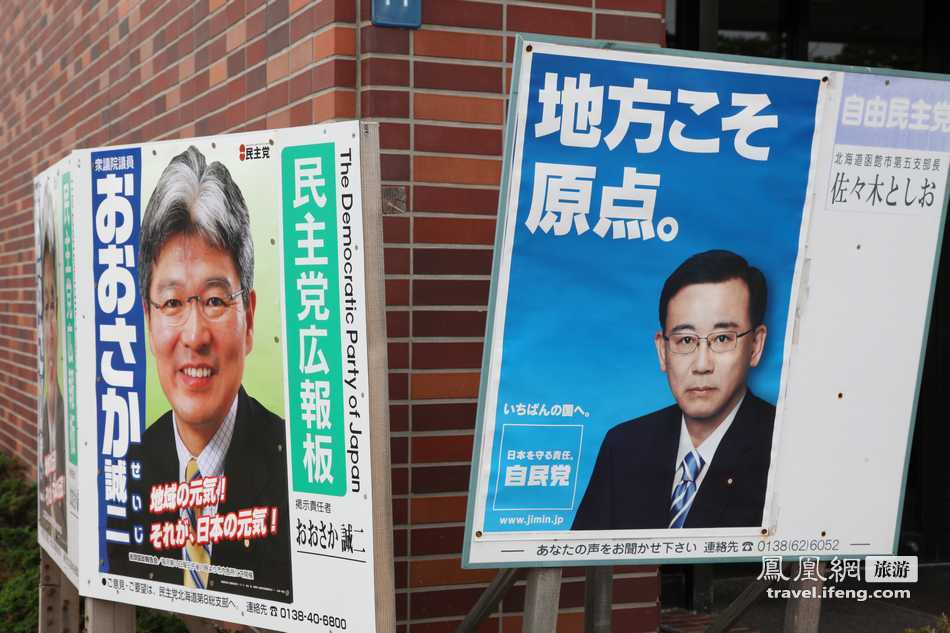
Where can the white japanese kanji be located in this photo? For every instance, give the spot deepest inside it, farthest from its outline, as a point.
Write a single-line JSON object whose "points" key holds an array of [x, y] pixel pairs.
{"points": [[308, 179], [897, 113], [852, 112], [310, 243], [920, 115], [628, 220], [809, 569], [748, 121], [941, 117], [699, 103], [581, 110], [311, 288], [875, 113], [516, 475], [312, 359], [538, 475], [772, 569], [324, 459], [315, 403], [318, 458], [114, 480], [561, 198], [628, 113], [560, 474], [309, 457]]}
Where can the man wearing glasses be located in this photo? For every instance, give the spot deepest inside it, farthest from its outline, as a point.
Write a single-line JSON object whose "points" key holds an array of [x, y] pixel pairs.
{"points": [[704, 461], [196, 272]]}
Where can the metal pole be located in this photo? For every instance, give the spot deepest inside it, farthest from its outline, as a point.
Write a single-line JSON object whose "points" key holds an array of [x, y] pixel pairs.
{"points": [[598, 599], [488, 601], [105, 616], [802, 614], [541, 600]]}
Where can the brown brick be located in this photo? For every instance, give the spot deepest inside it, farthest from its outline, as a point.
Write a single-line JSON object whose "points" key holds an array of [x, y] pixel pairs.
{"points": [[442, 509], [479, 15], [445, 571], [398, 355], [457, 77], [655, 6], [385, 103], [398, 386], [550, 21], [443, 416], [441, 448], [396, 261], [397, 292], [397, 324], [631, 28], [393, 136], [443, 261], [442, 603], [398, 417], [385, 72], [466, 355], [456, 323], [432, 386], [454, 230], [439, 540], [378, 39], [454, 200], [457, 170], [455, 292], [440, 138], [465, 109], [394, 166], [450, 44], [395, 230], [399, 450]]}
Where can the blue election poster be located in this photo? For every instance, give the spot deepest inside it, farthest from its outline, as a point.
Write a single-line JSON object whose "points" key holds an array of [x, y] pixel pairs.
{"points": [[646, 262]]}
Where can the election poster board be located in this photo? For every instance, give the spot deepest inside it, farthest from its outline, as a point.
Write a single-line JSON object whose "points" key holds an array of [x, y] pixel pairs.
{"points": [[710, 295], [56, 439], [230, 378]]}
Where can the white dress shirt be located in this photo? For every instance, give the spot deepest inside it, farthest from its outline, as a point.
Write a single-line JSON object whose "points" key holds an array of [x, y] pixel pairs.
{"points": [[706, 450]]}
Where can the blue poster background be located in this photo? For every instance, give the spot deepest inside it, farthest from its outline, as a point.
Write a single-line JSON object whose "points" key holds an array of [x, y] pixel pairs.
{"points": [[582, 310]]}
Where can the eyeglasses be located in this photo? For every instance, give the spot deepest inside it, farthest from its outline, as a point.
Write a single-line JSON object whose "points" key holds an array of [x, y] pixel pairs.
{"points": [[720, 342], [214, 304]]}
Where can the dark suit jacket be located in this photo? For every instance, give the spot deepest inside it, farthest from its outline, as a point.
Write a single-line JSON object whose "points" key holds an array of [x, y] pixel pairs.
{"points": [[632, 481], [256, 472]]}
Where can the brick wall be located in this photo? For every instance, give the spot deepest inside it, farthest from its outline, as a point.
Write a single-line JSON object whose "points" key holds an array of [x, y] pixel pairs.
{"points": [[114, 71]]}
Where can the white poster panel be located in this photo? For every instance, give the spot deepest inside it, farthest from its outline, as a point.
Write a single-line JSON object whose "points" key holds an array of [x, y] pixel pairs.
{"points": [[693, 257], [225, 426], [56, 445]]}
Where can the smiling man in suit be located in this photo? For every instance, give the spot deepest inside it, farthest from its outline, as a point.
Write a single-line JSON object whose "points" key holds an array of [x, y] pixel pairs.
{"points": [[704, 461], [196, 266]]}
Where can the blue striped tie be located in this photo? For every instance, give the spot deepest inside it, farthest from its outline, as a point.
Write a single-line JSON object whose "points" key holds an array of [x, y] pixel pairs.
{"points": [[686, 489], [194, 552]]}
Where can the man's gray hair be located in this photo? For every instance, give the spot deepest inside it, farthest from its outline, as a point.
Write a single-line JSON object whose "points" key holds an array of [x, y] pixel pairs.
{"points": [[194, 198]]}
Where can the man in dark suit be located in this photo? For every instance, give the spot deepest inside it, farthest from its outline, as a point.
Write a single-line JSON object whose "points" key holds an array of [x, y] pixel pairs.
{"points": [[704, 461], [196, 267]]}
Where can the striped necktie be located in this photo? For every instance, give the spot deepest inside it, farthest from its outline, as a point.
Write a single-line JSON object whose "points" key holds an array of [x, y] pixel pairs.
{"points": [[685, 490], [193, 551]]}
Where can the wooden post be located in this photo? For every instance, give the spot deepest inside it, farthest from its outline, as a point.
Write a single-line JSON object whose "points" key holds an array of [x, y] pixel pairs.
{"points": [[69, 598], [541, 600], [51, 608], [105, 616], [598, 599], [802, 614], [59, 599], [384, 573]]}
